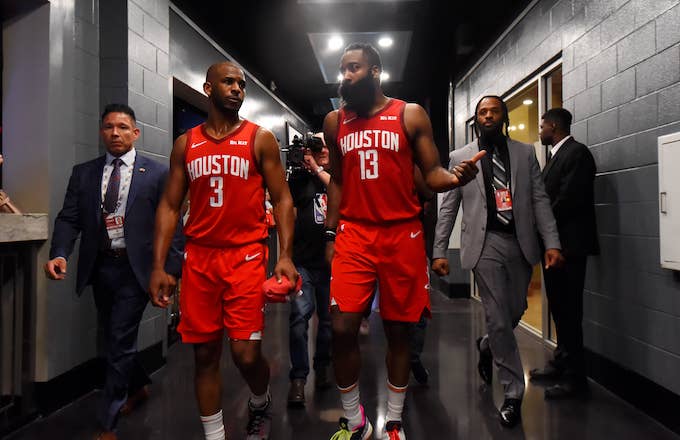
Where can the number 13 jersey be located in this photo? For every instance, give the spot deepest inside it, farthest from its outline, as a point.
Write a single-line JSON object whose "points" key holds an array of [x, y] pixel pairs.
{"points": [[377, 166], [226, 189]]}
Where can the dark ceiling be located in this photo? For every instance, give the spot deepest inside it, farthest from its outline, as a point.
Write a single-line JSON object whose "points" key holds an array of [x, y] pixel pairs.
{"points": [[269, 37]]}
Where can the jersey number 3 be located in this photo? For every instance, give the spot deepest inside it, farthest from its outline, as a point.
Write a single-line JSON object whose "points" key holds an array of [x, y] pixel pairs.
{"points": [[368, 162], [216, 183]]}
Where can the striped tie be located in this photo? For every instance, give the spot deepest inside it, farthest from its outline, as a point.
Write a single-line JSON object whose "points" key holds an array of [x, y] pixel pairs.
{"points": [[500, 181]]}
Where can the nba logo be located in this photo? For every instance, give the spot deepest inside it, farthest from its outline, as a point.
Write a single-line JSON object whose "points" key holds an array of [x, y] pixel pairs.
{"points": [[320, 208]]}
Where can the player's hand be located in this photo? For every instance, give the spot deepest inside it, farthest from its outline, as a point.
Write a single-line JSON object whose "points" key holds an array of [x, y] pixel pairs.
{"points": [[553, 258], [466, 170], [440, 266], [55, 269], [161, 287], [286, 267]]}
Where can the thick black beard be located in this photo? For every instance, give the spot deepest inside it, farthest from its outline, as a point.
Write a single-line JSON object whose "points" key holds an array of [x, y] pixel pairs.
{"points": [[492, 135], [360, 96]]}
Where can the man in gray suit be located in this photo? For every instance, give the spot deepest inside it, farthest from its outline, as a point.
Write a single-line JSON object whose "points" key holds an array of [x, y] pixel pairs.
{"points": [[503, 215]]}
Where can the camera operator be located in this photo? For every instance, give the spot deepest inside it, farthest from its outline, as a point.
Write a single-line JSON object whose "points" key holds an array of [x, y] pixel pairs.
{"points": [[308, 186]]}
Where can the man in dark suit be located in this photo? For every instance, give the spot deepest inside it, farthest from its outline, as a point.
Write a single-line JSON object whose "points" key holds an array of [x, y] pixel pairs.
{"points": [[568, 176], [111, 203]]}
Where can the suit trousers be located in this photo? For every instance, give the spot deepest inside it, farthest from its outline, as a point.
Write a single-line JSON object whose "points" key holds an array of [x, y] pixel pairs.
{"points": [[564, 288], [503, 275], [120, 302]]}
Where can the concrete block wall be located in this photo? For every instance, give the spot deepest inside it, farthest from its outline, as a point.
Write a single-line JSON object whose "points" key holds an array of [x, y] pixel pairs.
{"points": [[621, 81], [149, 92]]}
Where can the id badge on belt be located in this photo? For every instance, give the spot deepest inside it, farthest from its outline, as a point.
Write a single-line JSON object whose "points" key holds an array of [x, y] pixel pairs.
{"points": [[114, 226], [503, 200]]}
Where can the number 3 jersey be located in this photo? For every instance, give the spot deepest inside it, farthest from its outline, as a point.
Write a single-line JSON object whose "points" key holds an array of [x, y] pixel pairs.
{"points": [[226, 189], [377, 166]]}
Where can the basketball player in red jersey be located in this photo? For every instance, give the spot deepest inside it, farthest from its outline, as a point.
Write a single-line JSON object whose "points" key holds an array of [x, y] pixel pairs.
{"points": [[373, 209], [225, 164]]}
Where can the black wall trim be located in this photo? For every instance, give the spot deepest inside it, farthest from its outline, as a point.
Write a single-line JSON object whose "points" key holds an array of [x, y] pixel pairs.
{"points": [[75, 383], [649, 397]]}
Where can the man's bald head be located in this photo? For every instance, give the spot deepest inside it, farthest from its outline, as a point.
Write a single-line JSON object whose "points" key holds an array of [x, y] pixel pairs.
{"points": [[215, 71]]}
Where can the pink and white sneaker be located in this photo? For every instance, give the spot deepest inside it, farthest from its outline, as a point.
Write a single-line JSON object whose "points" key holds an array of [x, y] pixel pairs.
{"points": [[361, 432]]}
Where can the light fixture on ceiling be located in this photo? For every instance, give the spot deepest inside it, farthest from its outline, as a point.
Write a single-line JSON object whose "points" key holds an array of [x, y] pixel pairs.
{"points": [[384, 76], [512, 128], [385, 42], [335, 42], [521, 126], [340, 77], [528, 101]]}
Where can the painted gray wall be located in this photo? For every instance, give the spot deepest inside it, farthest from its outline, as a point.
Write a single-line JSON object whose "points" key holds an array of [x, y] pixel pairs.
{"points": [[621, 73]]}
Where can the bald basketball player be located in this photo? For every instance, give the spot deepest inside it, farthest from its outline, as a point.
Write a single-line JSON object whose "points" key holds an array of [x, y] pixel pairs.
{"points": [[225, 164]]}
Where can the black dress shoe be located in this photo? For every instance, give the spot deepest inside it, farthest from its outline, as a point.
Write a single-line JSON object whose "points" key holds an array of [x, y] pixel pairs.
{"points": [[511, 412], [296, 393], [546, 374], [568, 390], [485, 364], [420, 373]]}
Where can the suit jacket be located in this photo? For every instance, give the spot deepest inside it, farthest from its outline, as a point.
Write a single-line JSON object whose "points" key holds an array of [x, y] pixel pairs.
{"points": [[530, 208], [569, 178], [81, 215]]}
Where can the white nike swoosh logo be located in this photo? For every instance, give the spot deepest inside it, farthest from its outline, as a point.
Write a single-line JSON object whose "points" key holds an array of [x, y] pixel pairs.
{"points": [[415, 234], [198, 144], [252, 257], [347, 121]]}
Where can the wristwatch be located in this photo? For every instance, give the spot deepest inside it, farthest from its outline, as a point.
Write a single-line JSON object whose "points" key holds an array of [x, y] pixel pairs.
{"points": [[319, 170]]}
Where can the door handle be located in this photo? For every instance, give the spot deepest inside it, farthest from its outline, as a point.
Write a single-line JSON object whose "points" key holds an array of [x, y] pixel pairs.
{"points": [[662, 202]]}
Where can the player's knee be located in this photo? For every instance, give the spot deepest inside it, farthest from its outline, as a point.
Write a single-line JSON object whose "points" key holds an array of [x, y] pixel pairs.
{"points": [[207, 357], [246, 358], [343, 332]]}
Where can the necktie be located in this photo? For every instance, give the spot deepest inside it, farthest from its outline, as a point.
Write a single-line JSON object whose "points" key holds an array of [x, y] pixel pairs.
{"points": [[548, 156], [500, 181], [111, 196]]}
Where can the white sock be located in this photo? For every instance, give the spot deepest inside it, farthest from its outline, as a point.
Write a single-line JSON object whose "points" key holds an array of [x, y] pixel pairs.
{"points": [[213, 426], [350, 403], [395, 402], [259, 401]]}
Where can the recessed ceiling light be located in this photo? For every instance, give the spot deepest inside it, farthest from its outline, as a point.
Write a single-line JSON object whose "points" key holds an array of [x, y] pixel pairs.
{"points": [[521, 126], [528, 102], [385, 42], [512, 128], [339, 77], [384, 76], [335, 42]]}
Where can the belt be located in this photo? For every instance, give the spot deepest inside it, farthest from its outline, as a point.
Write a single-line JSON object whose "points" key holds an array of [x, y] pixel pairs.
{"points": [[113, 253]]}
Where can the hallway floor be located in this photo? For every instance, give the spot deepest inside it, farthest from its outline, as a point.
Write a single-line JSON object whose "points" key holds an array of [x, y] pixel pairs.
{"points": [[456, 405]]}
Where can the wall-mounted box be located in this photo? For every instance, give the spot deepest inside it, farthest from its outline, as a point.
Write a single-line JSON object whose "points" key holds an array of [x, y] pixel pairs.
{"points": [[669, 201]]}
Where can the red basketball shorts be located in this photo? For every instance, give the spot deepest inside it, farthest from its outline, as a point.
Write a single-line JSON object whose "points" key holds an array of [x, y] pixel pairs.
{"points": [[222, 288], [391, 257]]}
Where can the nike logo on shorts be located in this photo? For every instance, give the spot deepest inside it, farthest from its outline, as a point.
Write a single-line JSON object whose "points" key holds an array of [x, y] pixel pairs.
{"points": [[415, 234], [252, 257], [198, 144]]}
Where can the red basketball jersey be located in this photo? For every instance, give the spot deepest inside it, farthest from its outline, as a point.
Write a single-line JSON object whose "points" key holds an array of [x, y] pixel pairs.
{"points": [[226, 189], [377, 166]]}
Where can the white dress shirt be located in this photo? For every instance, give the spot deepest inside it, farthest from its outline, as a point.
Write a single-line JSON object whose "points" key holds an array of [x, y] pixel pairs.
{"points": [[126, 169], [556, 147]]}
